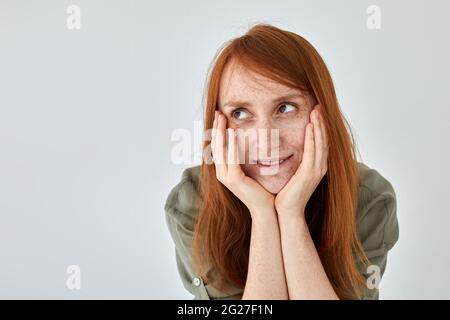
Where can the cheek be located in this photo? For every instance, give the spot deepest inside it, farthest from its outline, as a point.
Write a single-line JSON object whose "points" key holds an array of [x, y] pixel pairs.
{"points": [[293, 139], [247, 142], [294, 135]]}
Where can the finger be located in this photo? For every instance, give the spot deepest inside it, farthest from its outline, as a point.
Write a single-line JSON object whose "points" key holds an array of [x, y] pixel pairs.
{"points": [[324, 131], [308, 149], [325, 145], [213, 131], [220, 145], [318, 139], [233, 163]]}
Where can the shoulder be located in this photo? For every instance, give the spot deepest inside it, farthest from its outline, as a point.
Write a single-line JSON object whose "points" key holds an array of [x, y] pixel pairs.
{"points": [[377, 211], [377, 201], [377, 225], [181, 202], [181, 209], [373, 182]]}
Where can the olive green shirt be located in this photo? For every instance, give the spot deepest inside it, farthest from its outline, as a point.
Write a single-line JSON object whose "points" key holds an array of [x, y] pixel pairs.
{"points": [[377, 227]]}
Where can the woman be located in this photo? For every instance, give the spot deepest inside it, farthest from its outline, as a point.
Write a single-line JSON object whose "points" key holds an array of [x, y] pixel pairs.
{"points": [[290, 213]]}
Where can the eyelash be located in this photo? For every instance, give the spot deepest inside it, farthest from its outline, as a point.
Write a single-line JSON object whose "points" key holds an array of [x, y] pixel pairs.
{"points": [[243, 109]]}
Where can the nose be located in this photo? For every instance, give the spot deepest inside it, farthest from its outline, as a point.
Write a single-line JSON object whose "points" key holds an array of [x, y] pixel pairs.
{"points": [[268, 139]]}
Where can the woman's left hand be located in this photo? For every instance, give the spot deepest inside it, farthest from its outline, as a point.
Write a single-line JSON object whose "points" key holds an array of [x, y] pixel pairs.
{"points": [[295, 194]]}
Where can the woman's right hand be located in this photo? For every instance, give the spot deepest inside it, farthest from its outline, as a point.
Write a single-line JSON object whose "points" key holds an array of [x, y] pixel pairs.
{"points": [[229, 171]]}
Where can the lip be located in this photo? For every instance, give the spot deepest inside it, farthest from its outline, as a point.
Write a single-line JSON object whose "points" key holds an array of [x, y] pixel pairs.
{"points": [[281, 161]]}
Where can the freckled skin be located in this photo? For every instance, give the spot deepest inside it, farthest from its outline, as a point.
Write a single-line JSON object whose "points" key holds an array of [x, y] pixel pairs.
{"points": [[240, 84]]}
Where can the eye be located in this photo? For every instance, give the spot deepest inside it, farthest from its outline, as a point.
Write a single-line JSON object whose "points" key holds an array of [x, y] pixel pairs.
{"points": [[239, 114], [287, 107]]}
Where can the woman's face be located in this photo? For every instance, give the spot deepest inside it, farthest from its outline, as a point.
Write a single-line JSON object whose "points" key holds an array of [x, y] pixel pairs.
{"points": [[259, 109]]}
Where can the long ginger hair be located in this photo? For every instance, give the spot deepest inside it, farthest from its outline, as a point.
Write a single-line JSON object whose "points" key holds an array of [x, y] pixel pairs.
{"points": [[223, 224]]}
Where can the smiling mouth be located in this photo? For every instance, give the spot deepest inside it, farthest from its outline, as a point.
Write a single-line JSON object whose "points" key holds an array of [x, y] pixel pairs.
{"points": [[274, 162]]}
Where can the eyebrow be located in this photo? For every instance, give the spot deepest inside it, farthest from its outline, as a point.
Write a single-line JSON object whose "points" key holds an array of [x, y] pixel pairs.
{"points": [[233, 103]]}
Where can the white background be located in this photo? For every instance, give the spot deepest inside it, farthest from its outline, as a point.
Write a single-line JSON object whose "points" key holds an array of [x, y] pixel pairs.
{"points": [[86, 118]]}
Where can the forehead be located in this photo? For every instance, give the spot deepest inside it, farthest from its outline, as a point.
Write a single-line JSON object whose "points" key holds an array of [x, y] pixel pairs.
{"points": [[240, 83]]}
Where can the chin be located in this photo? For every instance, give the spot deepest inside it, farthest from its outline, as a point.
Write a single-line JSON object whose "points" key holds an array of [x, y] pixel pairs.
{"points": [[273, 180], [273, 184]]}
